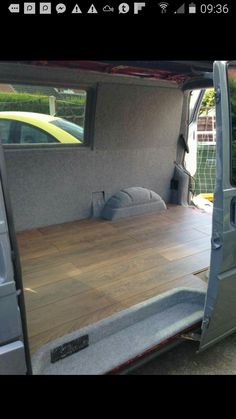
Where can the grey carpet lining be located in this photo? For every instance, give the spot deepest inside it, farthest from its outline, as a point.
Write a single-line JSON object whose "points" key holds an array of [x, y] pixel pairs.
{"points": [[125, 335]]}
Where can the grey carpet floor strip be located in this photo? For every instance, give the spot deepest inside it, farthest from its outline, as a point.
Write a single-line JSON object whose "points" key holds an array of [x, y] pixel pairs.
{"points": [[125, 335]]}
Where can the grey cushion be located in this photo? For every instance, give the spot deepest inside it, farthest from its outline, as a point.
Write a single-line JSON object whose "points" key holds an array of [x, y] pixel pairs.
{"points": [[132, 201]]}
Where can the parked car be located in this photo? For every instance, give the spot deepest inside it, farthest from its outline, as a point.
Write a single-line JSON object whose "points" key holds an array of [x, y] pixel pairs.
{"points": [[37, 128]]}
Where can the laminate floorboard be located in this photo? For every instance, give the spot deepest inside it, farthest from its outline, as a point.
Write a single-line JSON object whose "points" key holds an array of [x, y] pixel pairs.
{"points": [[77, 273]]}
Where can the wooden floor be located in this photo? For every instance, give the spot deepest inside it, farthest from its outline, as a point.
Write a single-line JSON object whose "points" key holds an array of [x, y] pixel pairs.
{"points": [[77, 273]]}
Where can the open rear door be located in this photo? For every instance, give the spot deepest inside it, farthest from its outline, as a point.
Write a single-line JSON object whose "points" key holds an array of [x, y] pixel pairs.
{"points": [[14, 353], [220, 307]]}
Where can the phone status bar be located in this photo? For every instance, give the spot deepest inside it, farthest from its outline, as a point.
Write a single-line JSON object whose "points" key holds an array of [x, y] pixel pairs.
{"points": [[135, 8]]}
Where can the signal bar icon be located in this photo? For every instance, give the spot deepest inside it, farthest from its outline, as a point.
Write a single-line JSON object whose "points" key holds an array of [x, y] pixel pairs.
{"points": [[191, 9], [181, 9], [163, 6]]}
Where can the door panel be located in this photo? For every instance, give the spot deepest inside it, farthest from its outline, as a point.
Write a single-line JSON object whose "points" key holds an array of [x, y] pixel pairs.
{"points": [[10, 325], [12, 358], [220, 307], [14, 355]]}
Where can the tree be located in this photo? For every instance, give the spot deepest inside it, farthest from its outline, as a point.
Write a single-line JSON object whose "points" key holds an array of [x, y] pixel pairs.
{"points": [[208, 101]]}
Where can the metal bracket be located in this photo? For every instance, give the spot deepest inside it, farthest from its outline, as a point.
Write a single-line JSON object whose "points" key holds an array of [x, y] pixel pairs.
{"points": [[191, 336], [206, 322], [216, 241]]}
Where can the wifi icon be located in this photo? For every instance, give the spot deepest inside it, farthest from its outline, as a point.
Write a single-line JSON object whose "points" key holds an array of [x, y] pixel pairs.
{"points": [[163, 6]]}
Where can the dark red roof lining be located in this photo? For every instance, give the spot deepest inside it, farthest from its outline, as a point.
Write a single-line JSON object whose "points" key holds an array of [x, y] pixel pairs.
{"points": [[116, 69]]}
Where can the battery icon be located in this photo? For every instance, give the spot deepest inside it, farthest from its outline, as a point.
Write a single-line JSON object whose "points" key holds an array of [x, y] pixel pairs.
{"points": [[192, 8]]}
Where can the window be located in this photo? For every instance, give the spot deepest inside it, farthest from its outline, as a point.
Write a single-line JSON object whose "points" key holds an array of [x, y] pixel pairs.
{"points": [[232, 97], [194, 97], [31, 135], [72, 129], [201, 159], [31, 115], [205, 175], [5, 127]]}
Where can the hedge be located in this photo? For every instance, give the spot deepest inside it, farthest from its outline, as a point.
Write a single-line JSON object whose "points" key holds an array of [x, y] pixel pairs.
{"points": [[71, 107]]}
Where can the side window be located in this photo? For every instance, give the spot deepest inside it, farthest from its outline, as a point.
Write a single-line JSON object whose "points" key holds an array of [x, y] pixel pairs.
{"points": [[62, 113], [232, 98], [34, 135], [206, 145], [194, 98], [201, 159], [5, 127]]}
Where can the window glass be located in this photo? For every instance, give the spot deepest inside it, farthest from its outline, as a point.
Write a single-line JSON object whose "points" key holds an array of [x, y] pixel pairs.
{"points": [[72, 129], [32, 135], [232, 96], [201, 159], [205, 175], [5, 126], [194, 95], [44, 108]]}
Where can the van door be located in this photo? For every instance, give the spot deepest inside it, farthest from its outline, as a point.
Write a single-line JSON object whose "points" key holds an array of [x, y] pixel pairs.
{"points": [[14, 353], [220, 306]]}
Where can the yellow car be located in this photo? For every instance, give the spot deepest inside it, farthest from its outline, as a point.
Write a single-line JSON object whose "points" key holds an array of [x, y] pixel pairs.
{"points": [[37, 128], [209, 196]]}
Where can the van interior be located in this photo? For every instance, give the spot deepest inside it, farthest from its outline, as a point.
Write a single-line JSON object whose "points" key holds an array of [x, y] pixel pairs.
{"points": [[114, 252]]}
